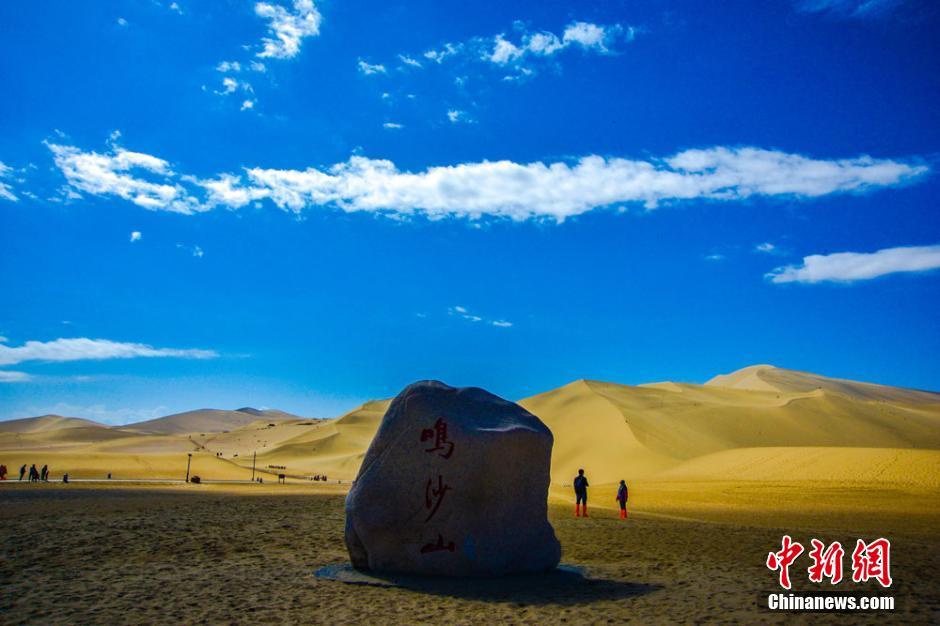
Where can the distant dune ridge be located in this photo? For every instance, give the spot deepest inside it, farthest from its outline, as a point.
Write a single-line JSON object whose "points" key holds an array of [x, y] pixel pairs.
{"points": [[758, 423]]}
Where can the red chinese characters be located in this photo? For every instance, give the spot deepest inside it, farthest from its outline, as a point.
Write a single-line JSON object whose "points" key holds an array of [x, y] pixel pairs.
{"points": [[433, 496], [782, 560], [434, 492], [872, 560], [826, 563], [439, 434]]}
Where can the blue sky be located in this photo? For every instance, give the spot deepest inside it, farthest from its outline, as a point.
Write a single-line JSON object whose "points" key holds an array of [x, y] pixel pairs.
{"points": [[305, 205]]}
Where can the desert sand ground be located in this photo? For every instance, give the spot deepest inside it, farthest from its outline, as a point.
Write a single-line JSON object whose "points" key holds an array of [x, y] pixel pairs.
{"points": [[717, 474], [247, 554]]}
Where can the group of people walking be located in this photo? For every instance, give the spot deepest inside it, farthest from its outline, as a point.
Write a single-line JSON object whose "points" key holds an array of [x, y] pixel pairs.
{"points": [[581, 485], [35, 475]]}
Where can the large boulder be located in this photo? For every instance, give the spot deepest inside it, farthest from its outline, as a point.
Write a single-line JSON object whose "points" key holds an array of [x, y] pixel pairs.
{"points": [[455, 483]]}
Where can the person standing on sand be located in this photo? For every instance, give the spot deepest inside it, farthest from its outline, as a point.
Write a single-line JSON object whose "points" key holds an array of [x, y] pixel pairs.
{"points": [[23, 471], [44, 474], [33, 474], [622, 495], [580, 493], [3, 472]]}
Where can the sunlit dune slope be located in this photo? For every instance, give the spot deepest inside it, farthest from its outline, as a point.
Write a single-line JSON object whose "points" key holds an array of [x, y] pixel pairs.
{"points": [[618, 431], [46, 423], [207, 421], [757, 424], [333, 447]]}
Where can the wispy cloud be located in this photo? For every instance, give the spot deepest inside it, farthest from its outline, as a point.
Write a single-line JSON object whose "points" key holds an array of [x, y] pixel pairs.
{"points": [[369, 68], [14, 377], [765, 247], [559, 190], [463, 313], [81, 349], [136, 236], [392, 126], [458, 117], [287, 28], [120, 173], [854, 266], [857, 9], [519, 191], [6, 191], [515, 50]]}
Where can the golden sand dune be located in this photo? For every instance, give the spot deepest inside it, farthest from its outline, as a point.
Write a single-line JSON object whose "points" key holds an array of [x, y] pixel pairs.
{"points": [[759, 423], [207, 421], [46, 423]]}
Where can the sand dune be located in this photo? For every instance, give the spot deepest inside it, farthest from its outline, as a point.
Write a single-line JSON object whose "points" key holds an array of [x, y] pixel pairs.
{"points": [[207, 421], [45, 423], [759, 423]]}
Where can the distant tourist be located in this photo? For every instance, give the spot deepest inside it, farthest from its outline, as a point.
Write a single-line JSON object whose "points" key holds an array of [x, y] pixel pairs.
{"points": [[65, 477], [580, 493], [33, 474], [44, 474], [3, 472], [23, 471], [622, 495], [109, 475]]}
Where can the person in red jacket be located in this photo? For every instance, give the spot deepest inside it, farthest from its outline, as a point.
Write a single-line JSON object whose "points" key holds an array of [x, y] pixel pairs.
{"points": [[622, 496]]}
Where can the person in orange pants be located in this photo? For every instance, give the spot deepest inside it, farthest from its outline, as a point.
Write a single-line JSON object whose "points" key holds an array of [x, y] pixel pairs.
{"points": [[580, 493], [622, 496]]}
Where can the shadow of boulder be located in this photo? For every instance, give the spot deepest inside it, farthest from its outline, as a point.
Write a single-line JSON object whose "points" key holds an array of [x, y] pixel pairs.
{"points": [[566, 585]]}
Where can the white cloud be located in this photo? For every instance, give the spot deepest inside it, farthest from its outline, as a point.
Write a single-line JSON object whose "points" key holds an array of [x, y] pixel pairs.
{"points": [[248, 105], [82, 349], [858, 9], [176, 7], [853, 266], [715, 257], [368, 68], [288, 28], [231, 85], [407, 60], [447, 51], [392, 126], [456, 116], [765, 247], [519, 191], [3, 339], [119, 173], [593, 36], [463, 313], [14, 377], [228, 66], [558, 190], [197, 252], [121, 21], [135, 236], [590, 37], [6, 191]]}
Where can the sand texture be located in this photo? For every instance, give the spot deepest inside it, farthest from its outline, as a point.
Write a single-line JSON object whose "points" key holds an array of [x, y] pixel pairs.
{"points": [[205, 554]]}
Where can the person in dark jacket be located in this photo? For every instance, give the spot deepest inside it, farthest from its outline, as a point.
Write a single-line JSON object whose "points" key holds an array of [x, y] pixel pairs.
{"points": [[44, 474], [622, 495], [580, 493], [23, 471], [33, 474]]}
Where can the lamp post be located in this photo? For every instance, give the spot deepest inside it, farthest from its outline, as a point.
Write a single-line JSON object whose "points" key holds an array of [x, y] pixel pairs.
{"points": [[188, 461]]}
